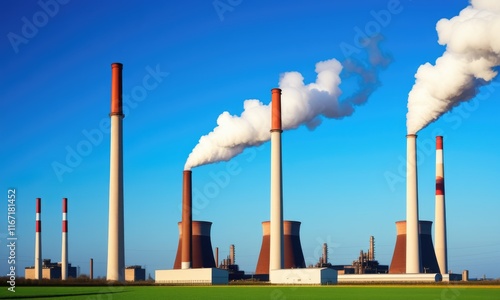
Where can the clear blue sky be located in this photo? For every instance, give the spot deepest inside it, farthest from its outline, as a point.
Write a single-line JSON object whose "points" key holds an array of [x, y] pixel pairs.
{"points": [[344, 180]]}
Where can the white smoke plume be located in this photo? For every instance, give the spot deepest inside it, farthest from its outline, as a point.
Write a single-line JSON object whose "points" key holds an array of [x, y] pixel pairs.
{"points": [[301, 104], [472, 42]]}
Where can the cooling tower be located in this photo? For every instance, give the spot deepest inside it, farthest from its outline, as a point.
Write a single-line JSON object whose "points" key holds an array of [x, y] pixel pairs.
{"points": [[412, 240], [293, 256], [428, 257], [440, 218], [202, 254], [116, 244]]}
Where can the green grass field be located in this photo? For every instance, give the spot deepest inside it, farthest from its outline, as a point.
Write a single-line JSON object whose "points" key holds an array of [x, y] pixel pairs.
{"points": [[439, 292]]}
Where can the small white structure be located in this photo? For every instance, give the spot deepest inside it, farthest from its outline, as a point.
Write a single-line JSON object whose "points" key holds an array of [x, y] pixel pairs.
{"points": [[192, 276], [421, 277], [303, 276]]}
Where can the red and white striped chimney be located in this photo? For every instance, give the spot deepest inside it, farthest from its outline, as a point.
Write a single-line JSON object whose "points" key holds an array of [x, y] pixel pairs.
{"points": [[276, 257], [64, 251], [116, 244], [187, 221], [38, 240], [412, 238], [440, 218]]}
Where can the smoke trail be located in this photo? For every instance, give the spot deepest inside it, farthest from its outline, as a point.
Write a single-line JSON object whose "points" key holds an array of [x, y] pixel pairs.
{"points": [[472, 42], [301, 104]]}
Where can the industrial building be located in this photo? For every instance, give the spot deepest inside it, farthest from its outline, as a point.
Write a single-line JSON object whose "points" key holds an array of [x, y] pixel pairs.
{"points": [[135, 273], [50, 270], [365, 264]]}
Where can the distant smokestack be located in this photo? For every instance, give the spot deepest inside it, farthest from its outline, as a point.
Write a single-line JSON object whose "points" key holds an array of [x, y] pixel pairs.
{"points": [[232, 255], [412, 240], [324, 258], [38, 240], [440, 219], [116, 255], [64, 251], [187, 221], [276, 260], [91, 269], [216, 257], [371, 252]]}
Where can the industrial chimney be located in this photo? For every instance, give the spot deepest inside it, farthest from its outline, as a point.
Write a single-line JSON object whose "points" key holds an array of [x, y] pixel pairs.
{"points": [[440, 218], [276, 259], [324, 256], [232, 256], [187, 221], [38, 240], [116, 255], [64, 251], [412, 241]]}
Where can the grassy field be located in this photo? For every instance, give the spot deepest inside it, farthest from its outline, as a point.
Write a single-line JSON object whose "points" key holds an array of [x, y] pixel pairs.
{"points": [[382, 292]]}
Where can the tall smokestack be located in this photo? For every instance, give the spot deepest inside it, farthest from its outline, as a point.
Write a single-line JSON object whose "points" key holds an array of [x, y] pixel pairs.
{"points": [[116, 255], [412, 240], [64, 251], [232, 255], [187, 221], [91, 276], [38, 240], [324, 257], [371, 251], [216, 257], [440, 218], [276, 258]]}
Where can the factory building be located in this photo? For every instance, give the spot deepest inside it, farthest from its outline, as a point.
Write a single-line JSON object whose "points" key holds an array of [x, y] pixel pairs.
{"points": [[50, 270], [135, 273]]}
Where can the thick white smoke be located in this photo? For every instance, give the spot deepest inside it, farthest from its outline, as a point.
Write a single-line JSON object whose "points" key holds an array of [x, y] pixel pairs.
{"points": [[301, 104], [472, 42]]}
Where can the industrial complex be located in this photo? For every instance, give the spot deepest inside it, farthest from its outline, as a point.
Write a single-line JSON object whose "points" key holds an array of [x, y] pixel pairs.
{"points": [[281, 260]]}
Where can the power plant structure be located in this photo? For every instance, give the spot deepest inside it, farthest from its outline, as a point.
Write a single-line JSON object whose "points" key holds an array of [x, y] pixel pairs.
{"points": [[412, 235], [194, 262], [202, 254], [278, 273], [64, 250], [116, 244], [38, 239], [426, 250], [440, 217], [293, 256], [365, 264], [187, 221], [276, 247]]}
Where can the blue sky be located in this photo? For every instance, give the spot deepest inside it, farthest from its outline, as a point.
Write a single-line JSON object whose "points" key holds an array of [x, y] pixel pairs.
{"points": [[186, 62]]}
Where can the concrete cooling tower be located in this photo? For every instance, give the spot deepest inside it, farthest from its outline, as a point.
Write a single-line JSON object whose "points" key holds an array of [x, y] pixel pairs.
{"points": [[293, 256], [427, 255], [202, 254]]}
